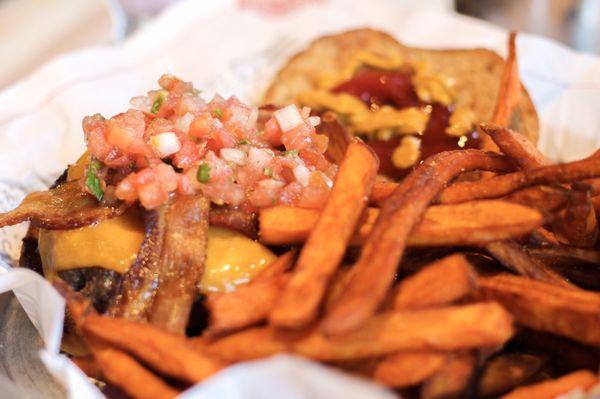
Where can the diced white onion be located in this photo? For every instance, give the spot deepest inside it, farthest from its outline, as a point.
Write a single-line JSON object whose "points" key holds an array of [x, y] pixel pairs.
{"points": [[260, 158], [302, 175], [183, 123], [142, 103], [288, 117], [165, 144], [236, 156], [314, 120]]}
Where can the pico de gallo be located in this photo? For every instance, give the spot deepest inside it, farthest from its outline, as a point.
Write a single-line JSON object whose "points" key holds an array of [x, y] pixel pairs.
{"points": [[174, 142]]}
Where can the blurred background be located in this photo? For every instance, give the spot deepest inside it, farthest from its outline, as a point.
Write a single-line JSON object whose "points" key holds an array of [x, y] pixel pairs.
{"points": [[33, 31]]}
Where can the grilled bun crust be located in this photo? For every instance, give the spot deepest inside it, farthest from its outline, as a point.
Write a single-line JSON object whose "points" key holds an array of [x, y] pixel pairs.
{"points": [[476, 72]]}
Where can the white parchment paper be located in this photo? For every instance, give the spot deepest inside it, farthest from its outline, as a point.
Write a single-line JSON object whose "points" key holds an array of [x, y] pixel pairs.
{"points": [[223, 48]]}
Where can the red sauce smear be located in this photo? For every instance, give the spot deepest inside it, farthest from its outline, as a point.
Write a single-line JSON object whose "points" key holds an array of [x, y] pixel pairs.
{"points": [[376, 88]]}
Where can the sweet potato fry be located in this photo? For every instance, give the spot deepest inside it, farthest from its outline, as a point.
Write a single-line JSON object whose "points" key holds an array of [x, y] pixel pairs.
{"points": [[405, 369], [506, 371], [522, 151], [437, 284], [444, 329], [508, 94], [546, 307], [470, 223], [596, 203], [564, 254], [573, 355], [251, 303], [546, 199], [115, 365], [511, 255], [360, 367], [510, 85], [242, 346], [328, 240], [434, 329], [543, 237], [89, 366], [122, 370], [162, 351], [501, 185], [551, 389], [381, 190], [474, 223], [452, 379], [341, 278], [577, 225], [385, 246]]}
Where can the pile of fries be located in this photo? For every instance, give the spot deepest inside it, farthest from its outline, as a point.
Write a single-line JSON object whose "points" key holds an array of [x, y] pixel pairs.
{"points": [[436, 288]]}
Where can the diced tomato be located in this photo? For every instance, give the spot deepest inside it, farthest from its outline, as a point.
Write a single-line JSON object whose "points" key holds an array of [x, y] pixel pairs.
{"points": [[190, 153], [290, 194], [157, 126], [266, 193], [238, 164], [152, 195], [126, 132], [126, 189], [151, 186]]}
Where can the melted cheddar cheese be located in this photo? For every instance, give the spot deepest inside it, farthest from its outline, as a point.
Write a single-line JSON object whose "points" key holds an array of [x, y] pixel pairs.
{"points": [[111, 244], [232, 259]]}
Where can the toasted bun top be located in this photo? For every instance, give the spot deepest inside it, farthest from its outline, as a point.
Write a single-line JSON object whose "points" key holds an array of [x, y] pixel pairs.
{"points": [[476, 72]]}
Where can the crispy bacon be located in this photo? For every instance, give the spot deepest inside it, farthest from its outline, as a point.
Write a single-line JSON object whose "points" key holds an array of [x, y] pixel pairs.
{"points": [[162, 283], [67, 206], [235, 219], [136, 292], [181, 263]]}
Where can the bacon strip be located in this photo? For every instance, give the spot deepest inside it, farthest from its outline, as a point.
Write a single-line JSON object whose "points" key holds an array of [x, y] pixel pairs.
{"points": [[136, 292], [234, 219], [181, 262], [162, 283], [66, 206]]}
